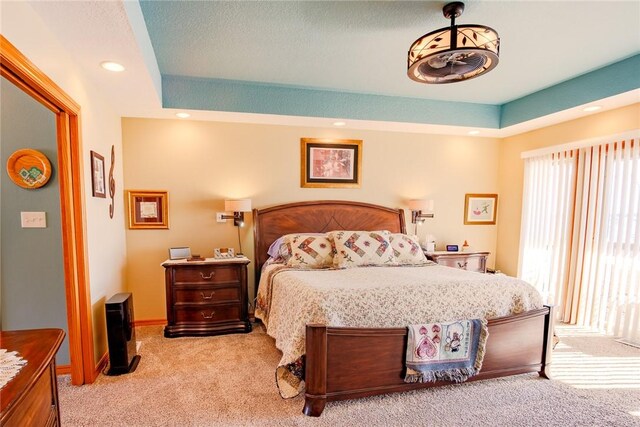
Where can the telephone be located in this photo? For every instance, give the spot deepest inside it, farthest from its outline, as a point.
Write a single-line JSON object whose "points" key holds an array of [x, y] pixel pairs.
{"points": [[223, 253]]}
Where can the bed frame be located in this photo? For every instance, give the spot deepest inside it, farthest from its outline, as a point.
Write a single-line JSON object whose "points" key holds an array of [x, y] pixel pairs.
{"points": [[336, 368]]}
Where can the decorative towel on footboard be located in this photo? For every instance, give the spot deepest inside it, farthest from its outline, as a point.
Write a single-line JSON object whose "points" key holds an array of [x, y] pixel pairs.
{"points": [[445, 351]]}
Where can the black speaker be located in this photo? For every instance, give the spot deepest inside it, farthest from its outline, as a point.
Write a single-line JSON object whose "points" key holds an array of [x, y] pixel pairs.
{"points": [[121, 335]]}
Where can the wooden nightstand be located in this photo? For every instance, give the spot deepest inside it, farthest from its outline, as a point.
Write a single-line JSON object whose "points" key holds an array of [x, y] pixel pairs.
{"points": [[206, 297], [470, 261]]}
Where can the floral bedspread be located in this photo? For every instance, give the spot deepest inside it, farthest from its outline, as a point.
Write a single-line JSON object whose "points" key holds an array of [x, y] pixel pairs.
{"points": [[376, 297]]}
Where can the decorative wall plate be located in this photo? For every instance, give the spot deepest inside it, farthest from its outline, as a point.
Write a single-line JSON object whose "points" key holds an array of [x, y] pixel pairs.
{"points": [[29, 168]]}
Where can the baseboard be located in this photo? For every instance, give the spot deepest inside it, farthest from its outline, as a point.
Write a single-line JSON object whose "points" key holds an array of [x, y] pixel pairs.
{"points": [[63, 369], [150, 322], [102, 363]]}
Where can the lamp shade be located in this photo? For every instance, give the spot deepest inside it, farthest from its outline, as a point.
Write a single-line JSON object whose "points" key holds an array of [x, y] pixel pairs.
{"points": [[421, 205], [239, 205]]}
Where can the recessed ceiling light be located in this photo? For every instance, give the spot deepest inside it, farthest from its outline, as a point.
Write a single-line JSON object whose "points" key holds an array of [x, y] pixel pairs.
{"points": [[112, 66], [339, 123], [183, 115], [474, 132], [592, 108]]}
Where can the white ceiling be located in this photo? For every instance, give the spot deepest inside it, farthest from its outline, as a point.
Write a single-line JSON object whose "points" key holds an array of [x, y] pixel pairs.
{"points": [[543, 43]]}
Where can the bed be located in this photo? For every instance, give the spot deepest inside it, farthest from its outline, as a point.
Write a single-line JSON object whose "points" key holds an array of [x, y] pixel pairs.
{"points": [[335, 363]]}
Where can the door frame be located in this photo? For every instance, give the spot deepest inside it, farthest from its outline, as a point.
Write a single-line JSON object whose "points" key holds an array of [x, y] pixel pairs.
{"points": [[20, 71]]}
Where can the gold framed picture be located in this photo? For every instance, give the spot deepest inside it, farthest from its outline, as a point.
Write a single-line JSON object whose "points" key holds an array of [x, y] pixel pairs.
{"points": [[148, 209], [480, 209], [330, 163]]}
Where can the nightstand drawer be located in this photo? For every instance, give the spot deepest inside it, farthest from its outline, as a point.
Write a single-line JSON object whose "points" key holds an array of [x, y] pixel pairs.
{"points": [[206, 274], [469, 263], [206, 295], [207, 314]]}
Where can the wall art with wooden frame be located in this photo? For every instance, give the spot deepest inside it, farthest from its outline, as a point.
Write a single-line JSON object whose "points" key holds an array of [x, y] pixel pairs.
{"points": [[98, 184], [480, 209], [330, 163], [148, 209]]}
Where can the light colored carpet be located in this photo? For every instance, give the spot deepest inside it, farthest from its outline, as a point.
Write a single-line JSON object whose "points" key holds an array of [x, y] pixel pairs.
{"points": [[229, 380]]}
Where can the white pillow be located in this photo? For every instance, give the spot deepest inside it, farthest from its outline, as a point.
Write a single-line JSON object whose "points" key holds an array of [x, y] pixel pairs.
{"points": [[406, 249], [360, 248]]}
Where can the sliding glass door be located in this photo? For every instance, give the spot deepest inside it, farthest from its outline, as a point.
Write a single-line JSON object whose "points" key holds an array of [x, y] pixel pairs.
{"points": [[580, 238]]}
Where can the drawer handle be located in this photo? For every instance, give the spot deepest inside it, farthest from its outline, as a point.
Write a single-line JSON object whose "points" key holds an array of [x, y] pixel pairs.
{"points": [[204, 316], [211, 274], [462, 264], [207, 297]]}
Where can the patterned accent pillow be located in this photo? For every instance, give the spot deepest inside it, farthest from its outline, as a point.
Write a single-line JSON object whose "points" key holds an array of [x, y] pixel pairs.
{"points": [[406, 249], [359, 248], [309, 250]]}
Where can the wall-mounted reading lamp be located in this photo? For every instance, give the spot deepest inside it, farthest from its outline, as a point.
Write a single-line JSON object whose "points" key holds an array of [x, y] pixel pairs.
{"points": [[238, 207], [420, 210]]}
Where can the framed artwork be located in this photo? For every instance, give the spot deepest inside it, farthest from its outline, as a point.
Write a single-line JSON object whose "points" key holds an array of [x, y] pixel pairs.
{"points": [[148, 209], [98, 183], [480, 209], [330, 163]]}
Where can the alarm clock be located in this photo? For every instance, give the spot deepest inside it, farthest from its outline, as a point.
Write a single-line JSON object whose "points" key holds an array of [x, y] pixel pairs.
{"points": [[452, 248]]}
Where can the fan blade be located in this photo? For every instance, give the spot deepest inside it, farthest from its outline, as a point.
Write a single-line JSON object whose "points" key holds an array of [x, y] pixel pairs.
{"points": [[452, 76], [437, 63]]}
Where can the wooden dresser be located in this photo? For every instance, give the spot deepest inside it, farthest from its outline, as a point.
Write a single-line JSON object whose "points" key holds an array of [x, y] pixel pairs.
{"points": [[31, 397], [206, 297], [471, 261]]}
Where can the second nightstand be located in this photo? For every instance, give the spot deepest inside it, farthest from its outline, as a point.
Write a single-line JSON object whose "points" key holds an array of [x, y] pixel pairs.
{"points": [[206, 297], [471, 261]]}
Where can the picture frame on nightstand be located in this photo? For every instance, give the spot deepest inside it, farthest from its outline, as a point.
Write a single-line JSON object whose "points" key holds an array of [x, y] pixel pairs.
{"points": [[179, 253]]}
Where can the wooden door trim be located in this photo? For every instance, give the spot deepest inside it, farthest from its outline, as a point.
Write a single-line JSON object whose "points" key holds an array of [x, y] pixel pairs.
{"points": [[38, 85]]}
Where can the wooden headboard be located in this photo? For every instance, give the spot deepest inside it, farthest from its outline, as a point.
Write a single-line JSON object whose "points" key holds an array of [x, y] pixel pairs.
{"points": [[318, 217]]}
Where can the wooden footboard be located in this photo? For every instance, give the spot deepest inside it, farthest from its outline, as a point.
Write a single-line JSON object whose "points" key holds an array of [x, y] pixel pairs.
{"points": [[347, 363]]}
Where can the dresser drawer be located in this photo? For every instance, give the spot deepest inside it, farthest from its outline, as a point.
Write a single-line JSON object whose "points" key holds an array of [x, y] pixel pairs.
{"points": [[469, 263], [38, 406], [206, 295], [207, 314], [206, 274]]}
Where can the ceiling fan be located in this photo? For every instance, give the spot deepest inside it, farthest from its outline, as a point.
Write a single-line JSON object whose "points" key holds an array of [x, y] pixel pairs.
{"points": [[455, 53]]}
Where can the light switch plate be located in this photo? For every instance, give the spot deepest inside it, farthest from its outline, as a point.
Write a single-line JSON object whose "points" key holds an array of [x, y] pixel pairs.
{"points": [[33, 219], [219, 217]]}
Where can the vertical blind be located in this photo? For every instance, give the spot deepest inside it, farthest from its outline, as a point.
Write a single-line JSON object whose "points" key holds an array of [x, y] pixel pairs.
{"points": [[546, 227], [580, 237]]}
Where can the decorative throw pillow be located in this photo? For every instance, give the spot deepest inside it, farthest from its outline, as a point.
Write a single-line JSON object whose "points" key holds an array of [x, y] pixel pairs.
{"points": [[274, 249], [359, 248], [406, 249], [309, 250]]}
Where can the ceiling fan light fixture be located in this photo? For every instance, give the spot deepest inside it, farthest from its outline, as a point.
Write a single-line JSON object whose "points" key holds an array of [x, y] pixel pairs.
{"points": [[454, 53]]}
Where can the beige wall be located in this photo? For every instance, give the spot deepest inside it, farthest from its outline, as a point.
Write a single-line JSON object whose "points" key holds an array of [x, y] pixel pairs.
{"points": [[511, 169], [100, 129], [202, 163]]}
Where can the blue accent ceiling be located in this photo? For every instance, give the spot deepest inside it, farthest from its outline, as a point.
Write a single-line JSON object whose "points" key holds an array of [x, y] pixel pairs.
{"points": [[347, 60], [249, 97], [234, 96], [608, 81]]}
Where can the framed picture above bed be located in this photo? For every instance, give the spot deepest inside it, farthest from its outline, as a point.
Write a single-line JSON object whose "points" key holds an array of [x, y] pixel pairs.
{"points": [[148, 209], [330, 163], [480, 209]]}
